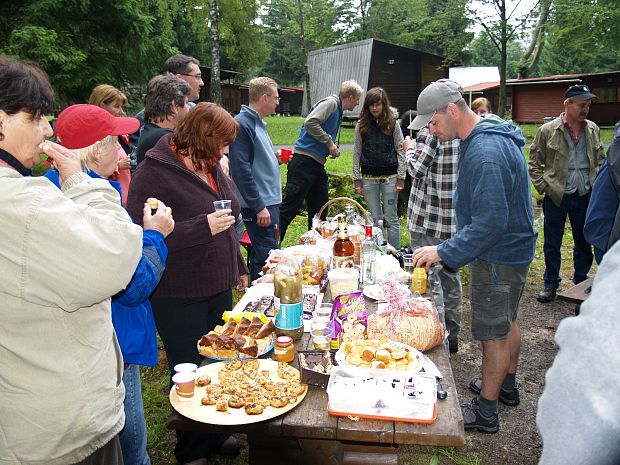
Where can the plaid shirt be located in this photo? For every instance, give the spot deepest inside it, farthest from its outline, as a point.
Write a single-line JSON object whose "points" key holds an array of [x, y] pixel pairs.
{"points": [[432, 167]]}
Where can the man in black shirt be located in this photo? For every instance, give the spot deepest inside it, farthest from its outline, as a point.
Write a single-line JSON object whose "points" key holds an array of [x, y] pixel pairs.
{"points": [[165, 103]]}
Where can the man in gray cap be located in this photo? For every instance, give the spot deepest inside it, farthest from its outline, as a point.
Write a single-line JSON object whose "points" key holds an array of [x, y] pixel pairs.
{"points": [[564, 161], [495, 236]]}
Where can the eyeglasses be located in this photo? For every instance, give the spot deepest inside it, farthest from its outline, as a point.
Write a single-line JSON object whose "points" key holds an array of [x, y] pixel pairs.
{"points": [[277, 97], [195, 76]]}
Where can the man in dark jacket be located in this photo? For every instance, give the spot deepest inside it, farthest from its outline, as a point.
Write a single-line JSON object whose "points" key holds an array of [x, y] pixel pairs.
{"points": [[165, 103], [602, 227], [495, 235]]}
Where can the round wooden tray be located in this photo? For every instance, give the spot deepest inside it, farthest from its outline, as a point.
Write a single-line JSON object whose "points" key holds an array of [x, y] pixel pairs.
{"points": [[194, 410]]}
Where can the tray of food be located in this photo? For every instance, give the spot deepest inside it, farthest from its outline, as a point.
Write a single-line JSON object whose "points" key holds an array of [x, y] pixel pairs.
{"points": [[238, 338], [379, 354], [382, 394], [241, 392]]}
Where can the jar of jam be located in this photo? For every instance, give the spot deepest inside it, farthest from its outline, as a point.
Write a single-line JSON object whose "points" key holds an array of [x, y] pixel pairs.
{"points": [[284, 350]]}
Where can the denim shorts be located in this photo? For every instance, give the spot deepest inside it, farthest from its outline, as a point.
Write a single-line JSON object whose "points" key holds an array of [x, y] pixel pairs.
{"points": [[495, 294]]}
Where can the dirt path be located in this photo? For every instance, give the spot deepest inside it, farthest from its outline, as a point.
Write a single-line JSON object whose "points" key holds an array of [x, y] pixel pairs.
{"points": [[518, 441]]}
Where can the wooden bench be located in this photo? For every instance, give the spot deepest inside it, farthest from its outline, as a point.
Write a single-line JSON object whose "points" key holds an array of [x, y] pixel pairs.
{"points": [[577, 294]]}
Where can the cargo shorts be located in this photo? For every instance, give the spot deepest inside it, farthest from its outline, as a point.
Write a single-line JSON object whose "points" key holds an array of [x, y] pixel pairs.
{"points": [[495, 294]]}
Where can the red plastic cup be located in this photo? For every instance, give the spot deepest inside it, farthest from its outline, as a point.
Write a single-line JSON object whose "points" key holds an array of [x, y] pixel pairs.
{"points": [[285, 155]]}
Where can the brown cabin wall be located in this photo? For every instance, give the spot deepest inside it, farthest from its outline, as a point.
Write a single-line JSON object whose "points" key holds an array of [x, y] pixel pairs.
{"points": [[402, 74], [533, 102]]}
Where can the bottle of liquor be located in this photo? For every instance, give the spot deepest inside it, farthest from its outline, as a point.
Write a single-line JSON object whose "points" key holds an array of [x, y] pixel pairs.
{"points": [[344, 250], [379, 234], [369, 251]]}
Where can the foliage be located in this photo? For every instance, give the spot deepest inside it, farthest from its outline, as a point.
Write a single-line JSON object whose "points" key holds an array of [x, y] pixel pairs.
{"points": [[482, 52], [435, 26], [583, 36], [82, 43], [323, 24]]}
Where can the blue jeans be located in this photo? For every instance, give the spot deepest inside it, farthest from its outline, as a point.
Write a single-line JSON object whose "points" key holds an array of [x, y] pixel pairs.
{"points": [[445, 286], [263, 239], [575, 207], [382, 199], [133, 435]]}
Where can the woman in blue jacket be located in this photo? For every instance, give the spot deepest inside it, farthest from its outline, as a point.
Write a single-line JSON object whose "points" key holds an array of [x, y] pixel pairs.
{"points": [[90, 131]]}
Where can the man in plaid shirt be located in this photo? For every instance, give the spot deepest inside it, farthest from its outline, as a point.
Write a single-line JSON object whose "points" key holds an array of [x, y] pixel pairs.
{"points": [[432, 166]]}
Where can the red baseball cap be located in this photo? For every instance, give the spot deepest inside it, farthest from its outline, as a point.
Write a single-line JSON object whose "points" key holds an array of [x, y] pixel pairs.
{"points": [[82, 125]]}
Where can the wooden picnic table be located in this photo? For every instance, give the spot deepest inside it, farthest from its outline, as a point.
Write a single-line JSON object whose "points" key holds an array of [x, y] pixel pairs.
{"points": [[309, 435]]}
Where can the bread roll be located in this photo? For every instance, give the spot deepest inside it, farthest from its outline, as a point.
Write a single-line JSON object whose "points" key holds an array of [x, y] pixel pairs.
{"points": [[382, 355]]}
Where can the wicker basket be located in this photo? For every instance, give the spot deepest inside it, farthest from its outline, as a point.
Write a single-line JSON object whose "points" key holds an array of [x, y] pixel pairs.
{"points": [[346, 200]]}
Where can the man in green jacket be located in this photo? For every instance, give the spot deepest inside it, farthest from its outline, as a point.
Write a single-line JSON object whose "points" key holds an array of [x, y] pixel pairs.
{"points": [[564, 160]]}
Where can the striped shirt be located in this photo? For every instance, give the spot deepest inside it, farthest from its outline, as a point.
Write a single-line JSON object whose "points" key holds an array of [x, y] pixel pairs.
{"points": [[432, 166]]}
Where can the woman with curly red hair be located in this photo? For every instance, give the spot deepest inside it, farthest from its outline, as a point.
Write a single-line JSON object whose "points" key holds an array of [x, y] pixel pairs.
{"points": [[204, 261]]}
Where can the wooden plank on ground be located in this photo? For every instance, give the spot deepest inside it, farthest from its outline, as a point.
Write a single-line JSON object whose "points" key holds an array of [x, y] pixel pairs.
{"points": [[577, 294]]}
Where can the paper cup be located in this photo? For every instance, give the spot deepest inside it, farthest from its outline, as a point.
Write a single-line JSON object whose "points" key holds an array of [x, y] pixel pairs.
{"points": [[185, 383], [182, 367]]}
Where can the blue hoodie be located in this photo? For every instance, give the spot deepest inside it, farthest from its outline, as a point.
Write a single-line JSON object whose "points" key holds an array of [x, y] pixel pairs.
{"points": [[492, 200]]}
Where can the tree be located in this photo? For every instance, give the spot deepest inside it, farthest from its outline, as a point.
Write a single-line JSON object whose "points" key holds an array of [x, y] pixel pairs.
{"points": [[434, 26], [216, 85], [82, 43], [582, 36], [482, 52], [293, 28], [501, 27], [532, 53]]}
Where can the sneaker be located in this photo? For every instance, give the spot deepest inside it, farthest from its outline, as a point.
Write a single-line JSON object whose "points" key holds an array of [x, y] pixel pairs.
{"points": [[453, 345], [510, 398], [473, 418], [546, 295]]}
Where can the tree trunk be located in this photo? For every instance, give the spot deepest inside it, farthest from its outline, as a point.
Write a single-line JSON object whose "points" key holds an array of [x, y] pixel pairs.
{"points": [[530, 57], [304, 50], [216, 84]]}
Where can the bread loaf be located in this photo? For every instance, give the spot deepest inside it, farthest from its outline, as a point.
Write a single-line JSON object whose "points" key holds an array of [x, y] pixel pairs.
{"points": [[423, 331]]}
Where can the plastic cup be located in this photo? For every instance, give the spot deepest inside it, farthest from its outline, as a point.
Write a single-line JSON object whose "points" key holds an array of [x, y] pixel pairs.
{"points": [[182, 367], [185, 383], [321, 338], [285, 155], [222, 205], [324, 313]]}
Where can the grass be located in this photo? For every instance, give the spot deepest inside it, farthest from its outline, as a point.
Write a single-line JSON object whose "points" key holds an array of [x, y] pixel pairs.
{"points": [[284, 131]]}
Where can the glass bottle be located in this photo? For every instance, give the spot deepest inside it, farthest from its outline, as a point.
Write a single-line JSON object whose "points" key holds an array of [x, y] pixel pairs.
{"points": [[379, 234], [344, 250], [288, 302], [369, 251]]}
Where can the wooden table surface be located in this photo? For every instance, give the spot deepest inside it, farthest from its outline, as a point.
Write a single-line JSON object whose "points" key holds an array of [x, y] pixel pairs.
{"points": [[308, 434]]}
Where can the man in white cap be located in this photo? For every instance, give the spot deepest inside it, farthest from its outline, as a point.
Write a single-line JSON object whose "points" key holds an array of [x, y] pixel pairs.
{"points": [[496, 237]]}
